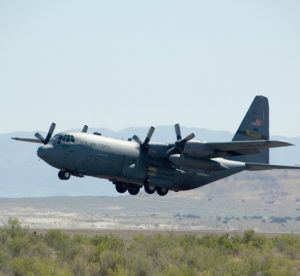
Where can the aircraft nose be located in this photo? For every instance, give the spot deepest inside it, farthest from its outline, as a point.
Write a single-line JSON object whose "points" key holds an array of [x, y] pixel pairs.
{"points": [[43, 152]]}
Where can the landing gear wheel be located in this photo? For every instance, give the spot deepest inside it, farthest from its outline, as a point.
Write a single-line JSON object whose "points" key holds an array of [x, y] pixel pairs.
{"points": [[121, 187], [133, 191], [162, 191], [64, 174], [149, 189], [60, 176]]}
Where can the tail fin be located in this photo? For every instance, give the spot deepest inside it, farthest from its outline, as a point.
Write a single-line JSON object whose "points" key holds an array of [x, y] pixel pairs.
{"points": [[255, 126]]}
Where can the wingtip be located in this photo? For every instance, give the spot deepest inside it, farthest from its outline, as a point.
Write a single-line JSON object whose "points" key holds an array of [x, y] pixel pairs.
{"points": [[284, 144], [289, 144]]}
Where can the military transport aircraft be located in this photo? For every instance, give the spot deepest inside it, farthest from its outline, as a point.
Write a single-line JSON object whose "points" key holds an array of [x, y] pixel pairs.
{"points": [[183, 165]]}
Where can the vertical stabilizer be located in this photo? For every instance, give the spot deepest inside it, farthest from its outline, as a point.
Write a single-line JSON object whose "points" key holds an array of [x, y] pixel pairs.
{"points": [[255, 126]]}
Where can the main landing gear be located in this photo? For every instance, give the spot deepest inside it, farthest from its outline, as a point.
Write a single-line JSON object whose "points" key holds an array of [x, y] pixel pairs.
{"points": [[123, 187], [149, 189], [162, 191], [132, 189], [64, 174]]}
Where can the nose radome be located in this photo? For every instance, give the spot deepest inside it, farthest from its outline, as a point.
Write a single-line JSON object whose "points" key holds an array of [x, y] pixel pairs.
{"points": [[43, 151]]}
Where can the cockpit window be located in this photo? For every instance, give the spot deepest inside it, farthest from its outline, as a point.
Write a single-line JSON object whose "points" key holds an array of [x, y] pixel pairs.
{"points": [[63, 138]]}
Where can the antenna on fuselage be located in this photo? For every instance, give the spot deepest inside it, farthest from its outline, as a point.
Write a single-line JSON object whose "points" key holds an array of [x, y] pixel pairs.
{"points": [[85, 128]]}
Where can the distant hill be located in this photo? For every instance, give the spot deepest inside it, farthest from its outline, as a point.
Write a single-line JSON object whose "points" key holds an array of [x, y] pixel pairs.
{"points": [[23, 175]]}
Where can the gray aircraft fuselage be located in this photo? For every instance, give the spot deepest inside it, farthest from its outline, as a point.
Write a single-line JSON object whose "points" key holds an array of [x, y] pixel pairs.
{"points": [[116, 160]]}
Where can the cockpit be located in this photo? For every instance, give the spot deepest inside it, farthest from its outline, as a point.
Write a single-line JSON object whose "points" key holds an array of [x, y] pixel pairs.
{"points": [[63, 138]]}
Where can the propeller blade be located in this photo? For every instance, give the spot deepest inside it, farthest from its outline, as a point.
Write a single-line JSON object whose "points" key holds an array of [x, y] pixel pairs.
{"points": [[137, 139], [189, 137], [149, 135], [40, 137], [85, 128], [27, 140], [50, 132], [178, 132], [171, 151]]}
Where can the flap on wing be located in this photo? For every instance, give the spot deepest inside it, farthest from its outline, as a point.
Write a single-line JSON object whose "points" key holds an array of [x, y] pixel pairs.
{"points": [[27, 140]]}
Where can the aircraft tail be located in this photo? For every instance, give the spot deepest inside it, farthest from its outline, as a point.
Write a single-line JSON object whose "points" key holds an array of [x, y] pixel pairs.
{"points": [[255, 126]]}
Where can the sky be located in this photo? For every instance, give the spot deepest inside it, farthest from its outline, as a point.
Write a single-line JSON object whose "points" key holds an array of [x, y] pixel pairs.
{"points": [[118, 64]]}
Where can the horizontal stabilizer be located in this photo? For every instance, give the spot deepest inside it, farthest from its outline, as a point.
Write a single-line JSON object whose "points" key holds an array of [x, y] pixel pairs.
{"points": [[248, 145], [229, 149], [27, 140], [262, 167]]}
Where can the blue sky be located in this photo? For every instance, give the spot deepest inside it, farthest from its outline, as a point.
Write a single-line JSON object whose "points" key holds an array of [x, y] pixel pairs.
{"points": [[116, 64]]}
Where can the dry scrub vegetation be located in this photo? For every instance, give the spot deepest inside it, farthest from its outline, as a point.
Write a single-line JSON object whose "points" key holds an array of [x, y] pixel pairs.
{"points": [[23, 252]]}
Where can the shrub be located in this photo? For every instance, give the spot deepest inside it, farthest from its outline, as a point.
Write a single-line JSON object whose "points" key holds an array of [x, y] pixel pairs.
{"points": [[56, 253]]}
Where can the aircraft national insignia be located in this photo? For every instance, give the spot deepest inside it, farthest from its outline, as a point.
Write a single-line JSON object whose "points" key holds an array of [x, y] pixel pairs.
{"points": [[256, 123]]}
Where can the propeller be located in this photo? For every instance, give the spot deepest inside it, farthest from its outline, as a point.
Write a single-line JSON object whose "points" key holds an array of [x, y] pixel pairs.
{"points": [[85, 128], [180, 143], [46, 140], [144, 145]]}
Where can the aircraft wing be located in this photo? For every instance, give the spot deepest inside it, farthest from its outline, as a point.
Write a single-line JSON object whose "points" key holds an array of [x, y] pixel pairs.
{"points": [[261, 167], [233, 148], [27, 140]]}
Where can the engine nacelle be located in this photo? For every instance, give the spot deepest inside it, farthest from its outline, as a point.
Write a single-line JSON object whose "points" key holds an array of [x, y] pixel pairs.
{"points": [[197, 149]]}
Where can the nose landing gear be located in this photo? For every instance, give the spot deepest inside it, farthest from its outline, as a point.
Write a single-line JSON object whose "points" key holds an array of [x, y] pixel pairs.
{"points": [[64, 174]]}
